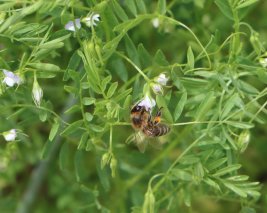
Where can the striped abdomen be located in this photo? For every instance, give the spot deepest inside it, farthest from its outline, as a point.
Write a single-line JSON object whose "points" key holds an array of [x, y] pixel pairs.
{"points": [[156, 130]]}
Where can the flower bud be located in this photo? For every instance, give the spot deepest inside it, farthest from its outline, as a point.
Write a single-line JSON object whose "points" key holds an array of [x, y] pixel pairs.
{"points": [[157, 88], [243, 140], [37, 92], [113, 166], [105, 159]]}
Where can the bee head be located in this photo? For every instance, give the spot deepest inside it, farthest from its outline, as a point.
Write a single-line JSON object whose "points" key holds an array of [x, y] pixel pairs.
{"points": [[137, 108]]}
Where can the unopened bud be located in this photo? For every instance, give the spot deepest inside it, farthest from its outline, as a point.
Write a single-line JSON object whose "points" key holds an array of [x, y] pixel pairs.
{"points": [[243, 140], [113, 166], [37, 92]]}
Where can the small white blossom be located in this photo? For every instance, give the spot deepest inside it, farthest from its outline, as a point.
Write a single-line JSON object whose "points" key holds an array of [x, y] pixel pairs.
{"points": [[10, 135], [37, 92], [91, 19], [147, 102], [263, 62], [162, 79], [71, 27], [157, 88], [11, 79], [155, 22]]}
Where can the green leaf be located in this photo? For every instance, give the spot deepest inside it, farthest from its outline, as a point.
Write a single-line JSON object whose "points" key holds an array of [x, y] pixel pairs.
{"points": [[105, 81], [246, 3], [119, 11], [248, 88], [241, 125], [180, 106], [72, 128], [88, 116], [141, 6], [235, 189], [72, 109], [123, 94], [83, 141], [190, 58], [160, 59], [74, 63], [144, 56], [131, 50], [80, 165], [43, 115], [189, 160], [238, 178], [226, 170], [212, 183], [234, 100], [216, 164], [64, 157], [161, 9], [53, 130], [88, 101], [199, 171], [121, 70], [112, 89], [45, 66], [225, 8], [96, 128], [131, 5], [71, 89], [205, 106], [178, 174]]}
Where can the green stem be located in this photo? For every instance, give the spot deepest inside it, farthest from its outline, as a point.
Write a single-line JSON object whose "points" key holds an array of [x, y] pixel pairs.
{"points": [[135, 66]]}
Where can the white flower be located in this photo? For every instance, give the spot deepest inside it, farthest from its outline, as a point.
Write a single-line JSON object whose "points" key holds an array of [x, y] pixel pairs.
{"points": [[91, 19], [157, 88], [10, 135], [162, 79], [37, 92], [147, 102], [71, 27], [263, 62], [155, 22], [11, 79]]}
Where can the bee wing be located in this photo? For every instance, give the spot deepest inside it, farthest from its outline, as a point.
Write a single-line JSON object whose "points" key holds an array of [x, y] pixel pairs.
{"points": [[140, 141], [156, 142], [130, 139]]}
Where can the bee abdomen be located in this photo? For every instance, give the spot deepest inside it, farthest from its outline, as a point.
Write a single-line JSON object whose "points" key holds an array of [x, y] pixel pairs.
{"points": [[161, 129]]}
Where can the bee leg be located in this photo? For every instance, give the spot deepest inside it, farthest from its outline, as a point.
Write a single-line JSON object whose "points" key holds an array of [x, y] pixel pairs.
{"points": [[157, 118]]}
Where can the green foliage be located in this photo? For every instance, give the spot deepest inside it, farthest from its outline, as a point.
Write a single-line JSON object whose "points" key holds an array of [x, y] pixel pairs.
{"points": [[72, 151]]}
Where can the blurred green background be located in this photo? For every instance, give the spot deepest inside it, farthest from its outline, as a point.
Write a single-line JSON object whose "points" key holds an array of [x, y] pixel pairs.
{"points": [[60, 189]]}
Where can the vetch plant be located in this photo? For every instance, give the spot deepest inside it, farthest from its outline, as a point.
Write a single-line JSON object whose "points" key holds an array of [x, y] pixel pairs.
{"points": [[197, 67]]}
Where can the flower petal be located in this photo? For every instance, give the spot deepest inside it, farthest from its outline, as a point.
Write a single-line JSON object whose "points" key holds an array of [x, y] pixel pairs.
{"points": [[147, 102], [162, 79], [10, 135], [11, 78], [71, 27]]}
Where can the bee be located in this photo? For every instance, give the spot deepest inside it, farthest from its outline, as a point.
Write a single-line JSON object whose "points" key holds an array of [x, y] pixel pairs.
{"points": [[146, 126]]}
